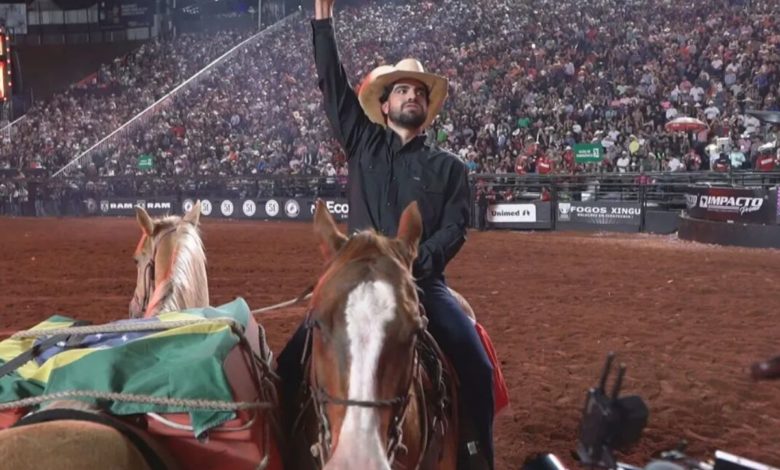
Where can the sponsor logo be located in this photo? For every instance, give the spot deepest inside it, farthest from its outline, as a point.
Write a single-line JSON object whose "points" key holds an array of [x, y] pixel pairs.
{"points": [[272, 208], [691, 200], [249, 208], [226, 208], [103, 206], [613, 212], [564, 211], [205, 207], [120, 206], [512, 213], [141, 203], [740, 205], [187, 205], [292, 208], [91, 206], [158, 206], [338, 208]]}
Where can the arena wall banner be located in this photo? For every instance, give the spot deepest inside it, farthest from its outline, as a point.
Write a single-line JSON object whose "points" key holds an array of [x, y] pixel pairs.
{"points": [[520, 215], [117, 206], [599, 215], [267, 209], [741, 205]]}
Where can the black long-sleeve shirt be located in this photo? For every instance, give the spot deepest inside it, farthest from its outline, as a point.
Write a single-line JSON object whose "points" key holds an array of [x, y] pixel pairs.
{"points": [[386, 176]]}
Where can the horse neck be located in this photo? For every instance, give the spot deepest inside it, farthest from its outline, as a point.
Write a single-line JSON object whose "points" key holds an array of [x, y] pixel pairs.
{"points": [[182, 282]]}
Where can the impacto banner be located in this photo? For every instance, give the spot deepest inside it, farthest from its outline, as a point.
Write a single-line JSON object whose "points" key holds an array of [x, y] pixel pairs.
{"points": [[744, 205], [588, 153]]}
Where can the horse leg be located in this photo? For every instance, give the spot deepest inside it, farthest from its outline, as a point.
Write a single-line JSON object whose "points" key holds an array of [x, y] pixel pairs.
{"points": [[67, 445]]}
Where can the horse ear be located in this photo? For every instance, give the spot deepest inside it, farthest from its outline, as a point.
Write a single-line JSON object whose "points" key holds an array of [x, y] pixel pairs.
{"points": [[331, 238], [410, 228], [144, 221], [193, 216]]}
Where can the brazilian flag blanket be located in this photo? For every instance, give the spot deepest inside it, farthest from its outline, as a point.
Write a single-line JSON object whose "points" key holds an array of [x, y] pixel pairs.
{"points": [[182, 362]]}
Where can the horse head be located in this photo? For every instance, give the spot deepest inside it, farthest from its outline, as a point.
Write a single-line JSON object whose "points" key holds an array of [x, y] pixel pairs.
{"points": [[171, 264], [365, 320]]}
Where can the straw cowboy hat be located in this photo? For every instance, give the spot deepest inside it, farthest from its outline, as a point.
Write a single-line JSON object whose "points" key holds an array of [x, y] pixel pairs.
{"points": [[375, 83]]}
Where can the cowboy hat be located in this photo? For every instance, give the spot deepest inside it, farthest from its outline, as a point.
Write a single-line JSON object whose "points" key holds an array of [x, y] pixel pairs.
{"points": [[375, 83]]}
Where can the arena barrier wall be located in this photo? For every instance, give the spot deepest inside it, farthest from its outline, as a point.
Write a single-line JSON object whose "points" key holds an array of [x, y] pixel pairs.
{"points": [[725, 233], [732, 216], [267, 209]]}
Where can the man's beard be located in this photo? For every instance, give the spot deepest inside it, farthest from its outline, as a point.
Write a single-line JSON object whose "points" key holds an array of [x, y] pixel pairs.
{"points": [[407, 119]]}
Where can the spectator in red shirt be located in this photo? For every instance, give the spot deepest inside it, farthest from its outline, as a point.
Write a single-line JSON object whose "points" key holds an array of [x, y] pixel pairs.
{"points": [[521, 164], [544, 165], [766, 161]]}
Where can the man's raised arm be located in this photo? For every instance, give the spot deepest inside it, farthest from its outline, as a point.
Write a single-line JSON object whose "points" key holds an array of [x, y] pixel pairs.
{"points": [[341, 103]]}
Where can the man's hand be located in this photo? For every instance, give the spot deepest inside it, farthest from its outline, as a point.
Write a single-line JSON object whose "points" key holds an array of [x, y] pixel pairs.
{"points": [[323, 9]]}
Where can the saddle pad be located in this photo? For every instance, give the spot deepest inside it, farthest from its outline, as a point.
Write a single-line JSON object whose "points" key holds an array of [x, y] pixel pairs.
{"points": [[185, 362]]}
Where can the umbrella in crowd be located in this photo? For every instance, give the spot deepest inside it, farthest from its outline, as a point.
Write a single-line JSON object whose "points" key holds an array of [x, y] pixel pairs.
{"points": [[685, 124], [765, 116]]}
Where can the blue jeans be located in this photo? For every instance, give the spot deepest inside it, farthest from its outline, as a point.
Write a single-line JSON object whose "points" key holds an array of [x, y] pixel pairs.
{"points": [[458, 340]]}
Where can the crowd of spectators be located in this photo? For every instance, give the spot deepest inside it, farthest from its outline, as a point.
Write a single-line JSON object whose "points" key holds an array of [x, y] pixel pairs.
{"points": [[528, 81]]}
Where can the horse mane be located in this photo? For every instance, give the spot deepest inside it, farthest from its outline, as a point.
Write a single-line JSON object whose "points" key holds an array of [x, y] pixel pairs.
{"points": [[187, 284]]}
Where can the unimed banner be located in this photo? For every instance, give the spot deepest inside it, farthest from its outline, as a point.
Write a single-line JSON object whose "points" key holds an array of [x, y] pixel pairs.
{"points": [[267, 209], [520, 215], [118, 206], [742, 205], [600, 213]]}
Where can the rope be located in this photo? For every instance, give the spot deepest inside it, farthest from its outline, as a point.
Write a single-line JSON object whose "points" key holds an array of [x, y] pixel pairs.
{"points": [[188, 403], [305, 295], [124, 327]]}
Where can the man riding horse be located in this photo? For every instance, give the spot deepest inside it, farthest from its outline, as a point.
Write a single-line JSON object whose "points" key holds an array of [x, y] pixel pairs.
{"points": [[390, 166]]}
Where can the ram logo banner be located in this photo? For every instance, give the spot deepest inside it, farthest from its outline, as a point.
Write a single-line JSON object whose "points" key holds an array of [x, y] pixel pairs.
{"points": [[205, 207], [103, 206], [691, 200], [187, 205], [272, 208], [292, 208], [141, 203]]}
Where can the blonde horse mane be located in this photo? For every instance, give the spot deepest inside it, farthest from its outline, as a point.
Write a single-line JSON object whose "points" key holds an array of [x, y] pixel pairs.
{"points": [[187, 284], [172, 265]]}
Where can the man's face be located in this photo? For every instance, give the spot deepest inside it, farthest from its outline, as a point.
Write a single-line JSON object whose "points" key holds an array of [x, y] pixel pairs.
{"points": [[407, 105]]}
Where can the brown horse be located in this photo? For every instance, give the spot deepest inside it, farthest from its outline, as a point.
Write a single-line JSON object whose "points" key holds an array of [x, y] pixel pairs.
{"points": [[171, 276], [374, 405], [171, 265]]}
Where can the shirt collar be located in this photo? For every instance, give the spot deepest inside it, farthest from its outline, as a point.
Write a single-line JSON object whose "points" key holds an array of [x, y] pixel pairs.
{"points": [[395, 142]]}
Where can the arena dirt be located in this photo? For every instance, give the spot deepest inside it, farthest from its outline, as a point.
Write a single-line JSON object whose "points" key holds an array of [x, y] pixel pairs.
{"points": [[686, 319]]}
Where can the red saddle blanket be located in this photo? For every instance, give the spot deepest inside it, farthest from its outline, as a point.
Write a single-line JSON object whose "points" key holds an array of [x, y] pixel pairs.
{"points": [[500, 390]]}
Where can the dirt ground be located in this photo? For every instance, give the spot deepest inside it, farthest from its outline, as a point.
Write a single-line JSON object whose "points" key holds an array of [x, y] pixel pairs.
{"points": [[686, 319]]}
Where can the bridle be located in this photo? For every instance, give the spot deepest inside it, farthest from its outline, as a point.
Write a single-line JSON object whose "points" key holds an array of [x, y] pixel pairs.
{"points": [[149, 276], [320, 398]]}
